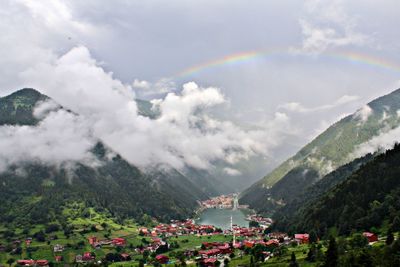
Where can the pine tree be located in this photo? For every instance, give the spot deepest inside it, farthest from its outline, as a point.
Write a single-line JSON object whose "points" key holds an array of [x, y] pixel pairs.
{"points": [[293, 261], [313, 237], [389, 237], [311, 253], [396, 224], [10, 261], [331, 259]]}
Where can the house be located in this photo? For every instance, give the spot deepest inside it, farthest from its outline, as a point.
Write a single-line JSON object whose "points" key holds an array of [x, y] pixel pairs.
{"points": [[238, 245], [248, 243], [210, 252], [58, 258], [28, 241], [162, 259], [302, 238], [42, 262], [371, 237], [144, 231], [92, 240], [225, 249], [26, 262], [120, 242], [211, 262], [88, 256], [156, 240], [125, 257], [78, 258], [58, 248], [272, 243]]}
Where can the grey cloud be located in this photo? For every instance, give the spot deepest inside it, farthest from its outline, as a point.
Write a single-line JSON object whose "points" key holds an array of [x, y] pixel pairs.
{"points": [[327, 25]]}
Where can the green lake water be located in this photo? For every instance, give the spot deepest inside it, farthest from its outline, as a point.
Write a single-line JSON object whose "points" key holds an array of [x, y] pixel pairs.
{"points": [[222, 218]]}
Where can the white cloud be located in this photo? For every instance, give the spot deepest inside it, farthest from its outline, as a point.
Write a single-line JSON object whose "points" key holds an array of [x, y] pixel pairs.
{"points": [[232, 172], [298, 107], [59, 139], [381, 142], [149, 89], [363, 113], [183, 134]]}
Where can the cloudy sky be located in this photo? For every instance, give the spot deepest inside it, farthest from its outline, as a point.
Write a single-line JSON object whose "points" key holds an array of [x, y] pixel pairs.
{"points": [[262, 77]]}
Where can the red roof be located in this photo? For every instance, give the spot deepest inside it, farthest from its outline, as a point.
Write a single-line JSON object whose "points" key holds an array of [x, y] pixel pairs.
{"points": [[87, 256], [272, 242], [161, 256], [249, 243], [92, 240], [42, 262], [301, 236], [119, 241], [210, 252], [26, 262], [210, 260], [368, 234]]}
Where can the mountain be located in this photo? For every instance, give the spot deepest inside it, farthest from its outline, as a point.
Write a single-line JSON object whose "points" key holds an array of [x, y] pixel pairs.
{"points": [[145, 108], [35, 191], [17, 108], [330, 150], [369, 197], [292, 211]]}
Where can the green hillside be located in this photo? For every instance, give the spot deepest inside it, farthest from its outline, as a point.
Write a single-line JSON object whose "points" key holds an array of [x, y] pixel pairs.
{"points": [[331, 149], [292, 210], [33, 191], [366, 199]]}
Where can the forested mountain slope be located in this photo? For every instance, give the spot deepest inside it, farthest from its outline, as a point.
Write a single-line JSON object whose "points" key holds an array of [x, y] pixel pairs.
{"points": [[35, 191], [331, 149], [366, 198]]}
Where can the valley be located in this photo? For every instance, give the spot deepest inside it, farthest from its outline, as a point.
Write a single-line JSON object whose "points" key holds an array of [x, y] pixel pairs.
{"points": [[115, 214], [199, 133]]}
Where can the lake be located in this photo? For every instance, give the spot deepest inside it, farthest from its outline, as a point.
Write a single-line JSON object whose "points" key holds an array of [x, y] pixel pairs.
{"points": [[221, 218]]}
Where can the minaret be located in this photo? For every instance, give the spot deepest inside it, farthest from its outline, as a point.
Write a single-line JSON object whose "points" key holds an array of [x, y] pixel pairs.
{"points": [[233, 232]]}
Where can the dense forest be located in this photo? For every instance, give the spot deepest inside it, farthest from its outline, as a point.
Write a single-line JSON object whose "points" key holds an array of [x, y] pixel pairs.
{"points": [[367, 198], [39, 192]]}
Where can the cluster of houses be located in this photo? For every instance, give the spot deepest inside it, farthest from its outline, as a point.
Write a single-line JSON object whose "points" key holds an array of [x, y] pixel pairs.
{"points": [[210, 252], [155, 244], [262, 221], [240, 231], [175, 228], [220, 202], [33, 262], [96, 243]]}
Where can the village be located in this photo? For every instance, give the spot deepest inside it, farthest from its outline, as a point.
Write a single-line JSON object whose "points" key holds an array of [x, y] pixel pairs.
{"points": [[181, 241], [219, 202]]}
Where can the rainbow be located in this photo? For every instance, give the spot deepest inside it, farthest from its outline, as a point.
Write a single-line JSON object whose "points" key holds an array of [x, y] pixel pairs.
{"points": [[242, 57]]}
